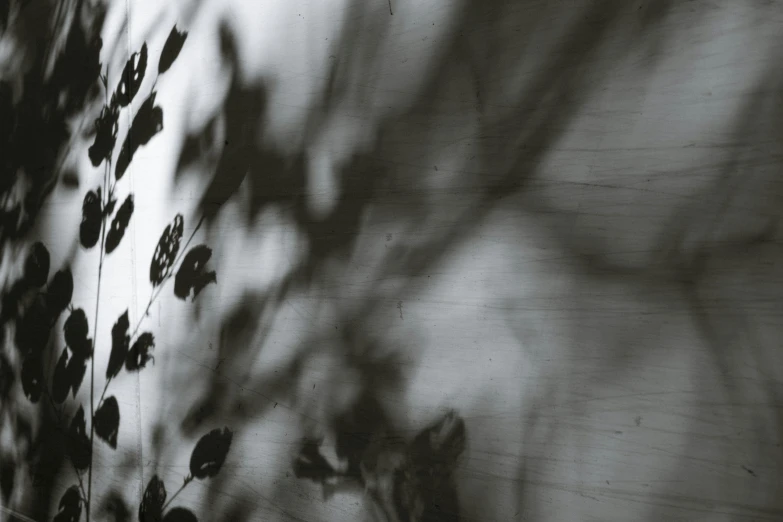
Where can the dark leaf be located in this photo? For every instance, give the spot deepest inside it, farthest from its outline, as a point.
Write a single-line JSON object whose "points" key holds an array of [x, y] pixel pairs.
{"points": [[166, 251], [210, 453], [7, 375], [106, 128], [119, 224], [78, 443], [132, 76], [171, 49], [76, 330], [82, 349], [151, 507], [70, 506], [146, 124], [76, 327], [90, 228], [179, 514], [107, 421], [32, 376], [139, 354], [32, 330], [192, 275], [120, 340], [60, 291], [11, 301], [77, 367], [61, 383], [36, 266], [109, 210], [310, 464]]}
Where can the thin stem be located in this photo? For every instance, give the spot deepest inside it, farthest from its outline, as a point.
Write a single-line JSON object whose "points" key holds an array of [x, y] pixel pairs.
{"points": [[184, 249], [188, 480], [95, 335], [153, 296], [62, 429], [156, 292], [106, 387]]}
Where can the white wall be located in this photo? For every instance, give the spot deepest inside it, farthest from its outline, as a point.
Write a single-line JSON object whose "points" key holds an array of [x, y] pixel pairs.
{"points": [[596, 384]]}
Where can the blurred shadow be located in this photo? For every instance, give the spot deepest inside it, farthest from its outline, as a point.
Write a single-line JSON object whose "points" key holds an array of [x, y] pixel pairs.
{"points": [[48, 79], [595, 38], [514, 135]]}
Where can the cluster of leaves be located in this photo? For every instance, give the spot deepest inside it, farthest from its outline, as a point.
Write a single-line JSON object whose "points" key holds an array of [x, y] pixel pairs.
{"points": [[410, 480], [45, 302], [206, 460], [35, 109], [147, 122], [103, 224], [34, 118], [133, 352]]}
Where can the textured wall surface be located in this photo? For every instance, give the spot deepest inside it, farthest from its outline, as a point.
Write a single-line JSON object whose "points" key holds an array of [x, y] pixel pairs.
{"points": [[557, 219]]}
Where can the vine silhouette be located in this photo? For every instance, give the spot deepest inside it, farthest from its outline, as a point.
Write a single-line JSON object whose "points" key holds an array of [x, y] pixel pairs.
{"points": [[103, 225]]}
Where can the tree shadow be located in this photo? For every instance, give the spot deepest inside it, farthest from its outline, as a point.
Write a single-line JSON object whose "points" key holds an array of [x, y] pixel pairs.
{"points": [[515, 135], [528, 129], [49, 78]]}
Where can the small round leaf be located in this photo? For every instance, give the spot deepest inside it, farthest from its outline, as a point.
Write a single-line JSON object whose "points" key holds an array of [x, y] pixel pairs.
{"points": [[120, 340], [139, 354], [166, 251], [171, 49], [151, 507], [119, 224], [192, 275], [107, 421], [210, 453], [146, 124], [60, 291], [70, 506], [90, 228], [76, 330]]}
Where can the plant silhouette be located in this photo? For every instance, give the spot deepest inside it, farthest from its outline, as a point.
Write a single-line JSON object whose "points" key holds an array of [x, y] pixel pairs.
{"points": [[171, 49], [103, 225], [70, 506]]}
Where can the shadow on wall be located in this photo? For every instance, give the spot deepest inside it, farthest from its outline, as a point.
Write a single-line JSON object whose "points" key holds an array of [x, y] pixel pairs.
{"points": [[49, 69], [515, 134], [49, 433], [520, 134]]}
